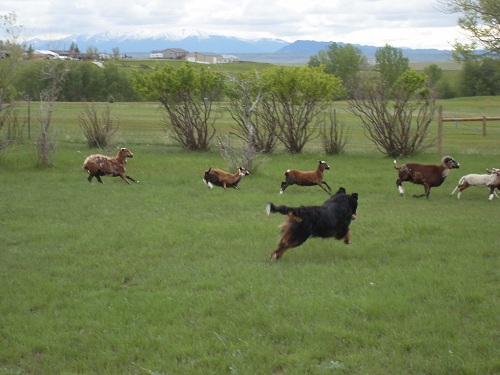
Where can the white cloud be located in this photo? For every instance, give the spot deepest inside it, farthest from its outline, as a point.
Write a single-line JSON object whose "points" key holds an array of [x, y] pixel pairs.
{"points": [[411, 23]]}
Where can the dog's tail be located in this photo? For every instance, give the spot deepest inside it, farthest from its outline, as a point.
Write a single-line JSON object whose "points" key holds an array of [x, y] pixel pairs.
{"points": [[284, 210]]}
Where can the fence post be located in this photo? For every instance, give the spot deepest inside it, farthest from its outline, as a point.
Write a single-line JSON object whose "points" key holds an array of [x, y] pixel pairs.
{"points": [[440, 130], [484, 126]]}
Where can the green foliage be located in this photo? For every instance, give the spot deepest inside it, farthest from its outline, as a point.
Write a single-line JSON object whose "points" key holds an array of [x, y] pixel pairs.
{"points": [[409, 83], [397, 117], [480, 21], [244, 92], [9, 60], [481, 78], [390, 63], [300, 84], [293, 96], [439, 83], [186, 95], [434, 73], [344, 61], [85, 81]]}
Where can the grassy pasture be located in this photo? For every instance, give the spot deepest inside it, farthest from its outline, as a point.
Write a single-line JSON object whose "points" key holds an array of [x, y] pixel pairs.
{"points": [[141, 123], [169, 277]]}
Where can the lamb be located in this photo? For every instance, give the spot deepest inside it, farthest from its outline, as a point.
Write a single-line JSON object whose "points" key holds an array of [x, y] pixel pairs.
{"points": [[295, 177], [224, 179], [100, 165], [429, 175], [491, 181]]}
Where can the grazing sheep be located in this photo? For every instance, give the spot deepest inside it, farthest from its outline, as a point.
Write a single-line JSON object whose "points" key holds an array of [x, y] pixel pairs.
{"points": [[295, 177], [224, 179], [491, 181], [330, 220], [429, 175], [100, 165]]}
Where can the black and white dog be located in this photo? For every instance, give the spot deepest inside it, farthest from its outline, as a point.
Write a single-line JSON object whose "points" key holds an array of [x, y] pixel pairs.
{"points": [[330, 220]]}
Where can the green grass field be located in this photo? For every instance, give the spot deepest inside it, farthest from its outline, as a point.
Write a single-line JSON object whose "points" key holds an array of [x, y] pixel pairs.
{"points": [[169, 277]]}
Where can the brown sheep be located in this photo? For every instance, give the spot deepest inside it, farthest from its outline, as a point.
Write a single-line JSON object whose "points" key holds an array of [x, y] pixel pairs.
{"points": [[295, 177], [429, 175], [100, 165], [224, 179]]}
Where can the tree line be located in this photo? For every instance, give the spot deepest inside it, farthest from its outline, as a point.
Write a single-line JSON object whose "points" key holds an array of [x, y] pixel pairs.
{"points": [[279, 105]]}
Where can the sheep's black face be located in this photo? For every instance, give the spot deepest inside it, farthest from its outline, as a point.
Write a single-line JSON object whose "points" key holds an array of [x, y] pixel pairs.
{"points": [[450, 162]]}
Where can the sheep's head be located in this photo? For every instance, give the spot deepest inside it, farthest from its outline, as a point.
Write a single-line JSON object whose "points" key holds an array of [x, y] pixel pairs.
{"points": [[323, 164], [450, 163], [125, 153], [243, 172], [494, 171]]}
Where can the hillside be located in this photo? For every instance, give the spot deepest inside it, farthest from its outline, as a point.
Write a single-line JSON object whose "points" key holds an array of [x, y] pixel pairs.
{"points": [[260, 50]]}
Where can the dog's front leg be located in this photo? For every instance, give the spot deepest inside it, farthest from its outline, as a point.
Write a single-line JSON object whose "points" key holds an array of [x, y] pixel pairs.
{"points": [[279, 251], [347, 238]]}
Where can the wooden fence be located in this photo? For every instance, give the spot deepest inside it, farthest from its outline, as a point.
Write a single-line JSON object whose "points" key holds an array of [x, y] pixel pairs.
{"points": [[441, 119]]}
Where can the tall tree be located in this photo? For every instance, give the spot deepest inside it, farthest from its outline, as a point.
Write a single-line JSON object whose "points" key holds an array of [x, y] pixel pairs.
{"points": [[11, 52], [344, 61], [294, 99], [244, 91], [480, 19], [396, 118], [390, 63], [187, 95], [480, 78]]}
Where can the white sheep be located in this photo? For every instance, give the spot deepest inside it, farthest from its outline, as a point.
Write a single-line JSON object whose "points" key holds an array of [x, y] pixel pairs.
{"points": [[491, 181]]}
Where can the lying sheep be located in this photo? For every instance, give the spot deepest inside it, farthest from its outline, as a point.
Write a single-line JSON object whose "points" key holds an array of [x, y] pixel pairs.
{"points": [[295, 177], [224, 179], [491, 181], [100, 165], [429, 175]]}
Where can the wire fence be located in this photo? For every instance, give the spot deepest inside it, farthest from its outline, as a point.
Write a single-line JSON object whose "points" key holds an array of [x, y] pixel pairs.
{"points": [[143, 124]]}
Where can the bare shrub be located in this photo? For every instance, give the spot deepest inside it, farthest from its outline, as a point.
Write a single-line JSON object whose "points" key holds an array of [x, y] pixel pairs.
{"points": [[395, 118], [11, 128], [241, 155], [333, 135], [245, 92], [54, 73], [97, 129]]}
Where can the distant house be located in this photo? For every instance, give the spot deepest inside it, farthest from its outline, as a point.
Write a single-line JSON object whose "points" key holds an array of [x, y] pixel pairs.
{"points": [[45, 54], [204, 58], [67, 54], [230, 58], [169, 53]]}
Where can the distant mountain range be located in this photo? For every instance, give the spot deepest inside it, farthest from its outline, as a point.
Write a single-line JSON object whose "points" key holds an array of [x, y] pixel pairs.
{"points": [[260, 50]]}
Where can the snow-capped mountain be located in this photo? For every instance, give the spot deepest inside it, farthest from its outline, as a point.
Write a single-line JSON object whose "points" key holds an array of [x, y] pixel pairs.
{"points": [[145, 42], [141, 44]]}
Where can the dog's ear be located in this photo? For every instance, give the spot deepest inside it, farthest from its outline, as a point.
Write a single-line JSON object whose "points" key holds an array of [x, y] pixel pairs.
{"points": [[354, 195], [340, 191]]}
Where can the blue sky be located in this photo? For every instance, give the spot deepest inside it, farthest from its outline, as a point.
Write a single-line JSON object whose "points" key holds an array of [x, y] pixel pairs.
{"points": [[407, 23]]}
